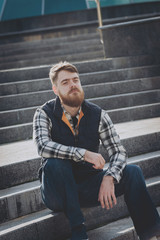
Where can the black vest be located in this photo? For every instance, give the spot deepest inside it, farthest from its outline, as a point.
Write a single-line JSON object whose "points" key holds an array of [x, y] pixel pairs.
{"points": [[88, 137]]}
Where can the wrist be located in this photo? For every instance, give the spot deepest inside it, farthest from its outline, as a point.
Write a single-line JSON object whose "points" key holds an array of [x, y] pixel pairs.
{"points": [[86, 155], [108, 178]]}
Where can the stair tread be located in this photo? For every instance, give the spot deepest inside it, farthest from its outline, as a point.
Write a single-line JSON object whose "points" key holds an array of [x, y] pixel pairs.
{"points": [[114, 230], [137, 128], [27, 150], [116, 227], [32, 86]]}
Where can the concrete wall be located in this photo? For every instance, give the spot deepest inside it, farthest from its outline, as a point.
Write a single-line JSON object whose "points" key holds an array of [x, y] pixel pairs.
{"points": [[132, 38], [78, 16]]}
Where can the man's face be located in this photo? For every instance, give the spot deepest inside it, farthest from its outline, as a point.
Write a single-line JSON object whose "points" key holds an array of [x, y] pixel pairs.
{"points": [[69, 89]]}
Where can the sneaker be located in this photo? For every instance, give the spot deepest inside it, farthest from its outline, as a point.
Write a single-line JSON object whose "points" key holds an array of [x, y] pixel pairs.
{"points": [[79, 233]]}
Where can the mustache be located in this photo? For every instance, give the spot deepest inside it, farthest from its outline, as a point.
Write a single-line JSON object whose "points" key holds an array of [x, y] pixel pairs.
{"points": [[73, 89]]}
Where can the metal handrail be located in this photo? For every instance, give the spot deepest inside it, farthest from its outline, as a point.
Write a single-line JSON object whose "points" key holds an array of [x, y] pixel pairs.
{"points": [[99, 18], [99, 13]]}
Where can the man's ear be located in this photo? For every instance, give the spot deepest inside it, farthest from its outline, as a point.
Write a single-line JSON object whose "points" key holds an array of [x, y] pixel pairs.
{"points": [[54, 89]]}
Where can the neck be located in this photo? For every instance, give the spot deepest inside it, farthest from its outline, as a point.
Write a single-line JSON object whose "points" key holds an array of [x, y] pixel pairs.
{"points": [[71, 110]]}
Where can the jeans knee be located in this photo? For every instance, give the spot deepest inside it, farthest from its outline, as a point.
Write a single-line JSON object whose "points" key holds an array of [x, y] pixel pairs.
{"points": [[133, 171], [57, 166]]}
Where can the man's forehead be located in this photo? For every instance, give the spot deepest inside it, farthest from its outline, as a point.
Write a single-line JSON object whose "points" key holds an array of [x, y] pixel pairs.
{"points": [[66, 75]]}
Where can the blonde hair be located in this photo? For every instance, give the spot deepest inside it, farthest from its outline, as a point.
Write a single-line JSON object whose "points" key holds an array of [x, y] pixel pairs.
{"points": [[55, 69]]}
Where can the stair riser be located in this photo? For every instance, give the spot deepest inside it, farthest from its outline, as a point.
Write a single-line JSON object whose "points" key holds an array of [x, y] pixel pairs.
{"points": [[21, 204], [24, 132], [86, 67], [98, 90], [60, 47], [18, 173], [39, 35], [35, 99], [48, 42], [96, 217], [122, 101], [21, 116], [135, 113], [17, 117], [53, 59], [51, 52]]}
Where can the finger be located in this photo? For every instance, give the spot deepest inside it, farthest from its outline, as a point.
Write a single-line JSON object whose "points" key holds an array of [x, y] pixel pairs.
{"points": [[107, 203], [114, 198], [102, 202], [110, 201], [100, 199], [95, 166]]}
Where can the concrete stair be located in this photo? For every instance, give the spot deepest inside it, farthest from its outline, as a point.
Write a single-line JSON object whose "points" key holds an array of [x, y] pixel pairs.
{"points": [[77, 22], [127, 87]]}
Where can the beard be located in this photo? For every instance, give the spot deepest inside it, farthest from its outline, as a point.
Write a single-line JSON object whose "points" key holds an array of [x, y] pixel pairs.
{"points": [[73, 99]]}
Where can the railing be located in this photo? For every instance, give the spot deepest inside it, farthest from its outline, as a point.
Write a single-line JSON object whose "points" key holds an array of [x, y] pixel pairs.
{"points": [[99, 13], [99, 18]]}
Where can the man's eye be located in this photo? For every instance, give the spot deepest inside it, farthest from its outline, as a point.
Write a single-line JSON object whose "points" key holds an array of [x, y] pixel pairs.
{"points": [[76, 80], [64, 83]]}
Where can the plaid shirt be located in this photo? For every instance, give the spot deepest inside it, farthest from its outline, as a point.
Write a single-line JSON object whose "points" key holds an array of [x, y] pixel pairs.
{"points": [[47, 148]]}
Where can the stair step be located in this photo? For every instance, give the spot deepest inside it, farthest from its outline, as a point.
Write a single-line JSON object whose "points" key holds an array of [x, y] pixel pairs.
{"points": [[138, 137], [86, 24], [32, 223], [50, 45], [24, 131], [127, 99], [49, 32], [98, 89], [38, 98], [134, 113], [91, 67], [26, 198], [47, 42], [81, 56], [119, 230], [81, 16], [25, 115], [55, 51]]}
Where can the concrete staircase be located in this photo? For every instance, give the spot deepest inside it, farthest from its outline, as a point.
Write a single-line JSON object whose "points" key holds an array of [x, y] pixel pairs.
{"points": [[127, 87]]}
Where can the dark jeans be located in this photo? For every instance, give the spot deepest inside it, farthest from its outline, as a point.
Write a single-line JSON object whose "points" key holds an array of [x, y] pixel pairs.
{"points": [[62, 191]]}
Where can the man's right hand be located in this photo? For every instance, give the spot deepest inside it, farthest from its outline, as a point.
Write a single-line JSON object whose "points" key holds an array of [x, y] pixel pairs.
{"points": [[95, 158]]}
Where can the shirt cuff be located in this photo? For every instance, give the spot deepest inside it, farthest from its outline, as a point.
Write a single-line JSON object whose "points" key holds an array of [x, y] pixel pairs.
{"points": [[117, 177], [79, 154]]}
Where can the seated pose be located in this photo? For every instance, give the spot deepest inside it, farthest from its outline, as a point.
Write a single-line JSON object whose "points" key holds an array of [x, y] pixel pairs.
{"points": [[67, 131]]}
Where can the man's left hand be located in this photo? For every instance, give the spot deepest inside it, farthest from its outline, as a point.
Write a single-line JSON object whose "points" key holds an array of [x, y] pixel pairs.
{"points": [[107, 192]]}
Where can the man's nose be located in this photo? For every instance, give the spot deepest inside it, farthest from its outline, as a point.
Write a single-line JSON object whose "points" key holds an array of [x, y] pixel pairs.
{"points": [[72, 84]]}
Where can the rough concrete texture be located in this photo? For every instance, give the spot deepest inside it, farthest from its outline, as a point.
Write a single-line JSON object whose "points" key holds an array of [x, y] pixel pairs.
{"points": [[27, 160], [37, 72], [127, 87], [133, 34], [119, 230], [26, 198]]}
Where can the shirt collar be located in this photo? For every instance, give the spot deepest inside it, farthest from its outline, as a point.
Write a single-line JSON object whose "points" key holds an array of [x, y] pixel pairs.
{"points": [[68, 115]]}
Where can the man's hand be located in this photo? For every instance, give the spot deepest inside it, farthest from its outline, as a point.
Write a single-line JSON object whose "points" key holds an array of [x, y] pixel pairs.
{"points": [[106, 193], [95, 158]]}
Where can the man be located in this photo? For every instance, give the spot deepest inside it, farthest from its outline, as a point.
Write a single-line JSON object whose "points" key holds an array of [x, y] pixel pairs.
{"points": [[67, 131]]}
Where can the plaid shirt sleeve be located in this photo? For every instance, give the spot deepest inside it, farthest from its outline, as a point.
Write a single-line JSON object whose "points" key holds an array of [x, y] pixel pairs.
{"points": [[111, 142], [46, 147]]}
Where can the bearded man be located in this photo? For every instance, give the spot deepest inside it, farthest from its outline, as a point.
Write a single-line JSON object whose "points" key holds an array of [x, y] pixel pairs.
{"points": [[67, 132]]}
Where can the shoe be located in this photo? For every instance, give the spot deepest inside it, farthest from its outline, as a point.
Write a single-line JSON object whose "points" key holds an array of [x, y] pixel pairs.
{"points": [[79, 233]]}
